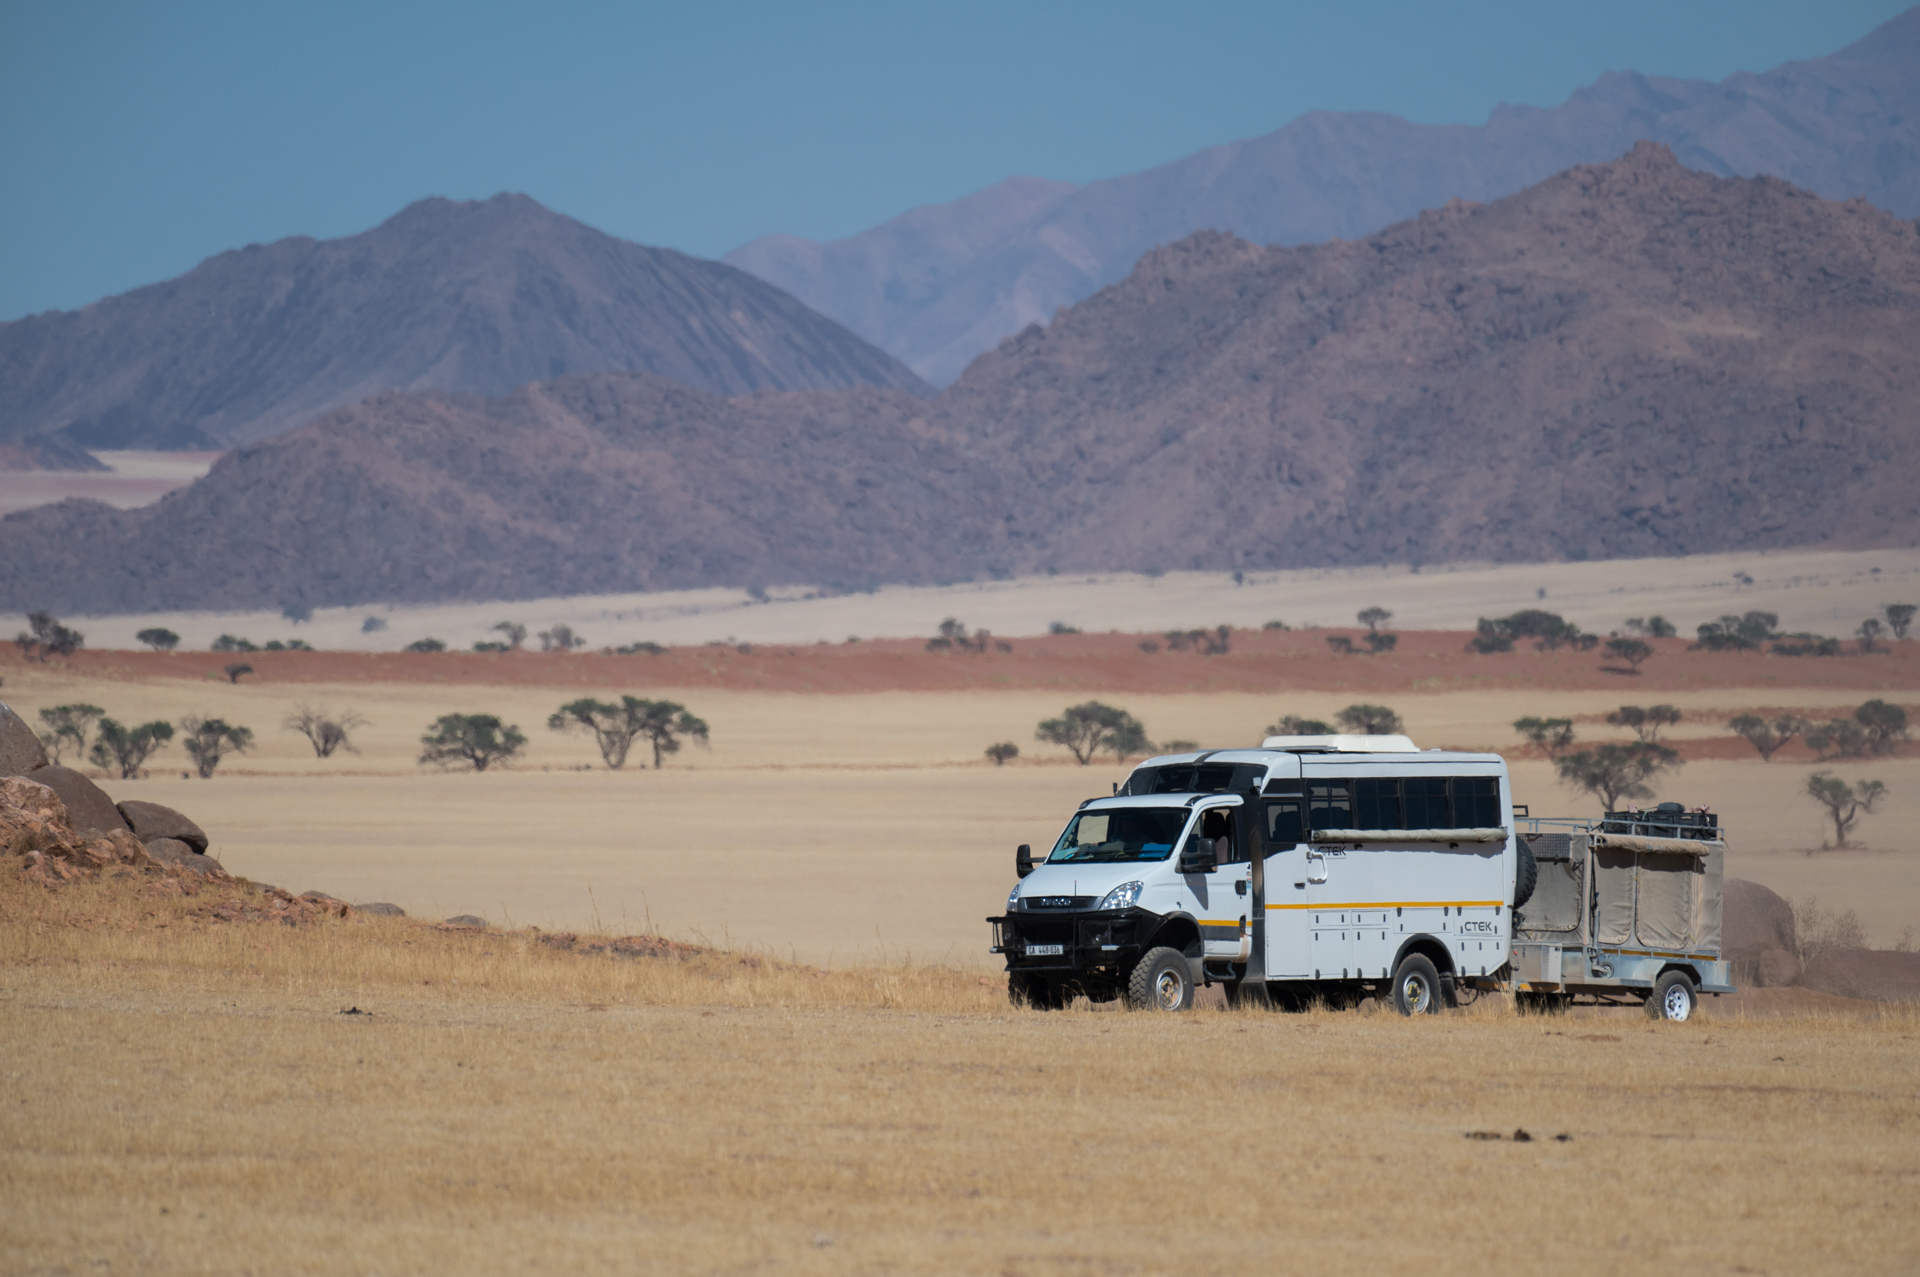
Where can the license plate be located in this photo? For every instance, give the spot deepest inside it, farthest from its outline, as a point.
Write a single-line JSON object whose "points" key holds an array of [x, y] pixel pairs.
{"points": [[1045, 950]]}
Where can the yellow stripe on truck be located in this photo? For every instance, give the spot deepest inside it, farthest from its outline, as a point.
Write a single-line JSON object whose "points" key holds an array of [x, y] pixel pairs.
{"points": [[1399, 904]]}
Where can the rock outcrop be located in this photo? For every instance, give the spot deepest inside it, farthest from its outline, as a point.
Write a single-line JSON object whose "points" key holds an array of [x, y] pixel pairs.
{"points": [[88, 806], [20, 749], [1879, 975], [1758, 936], [152, 820]]}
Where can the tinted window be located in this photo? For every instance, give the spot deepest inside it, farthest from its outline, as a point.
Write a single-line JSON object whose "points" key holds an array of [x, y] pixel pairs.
{"points": [[1425, 801], [1283, 825], [1476, 802], [1376, 803], [1185, 778], [1329, 804]]}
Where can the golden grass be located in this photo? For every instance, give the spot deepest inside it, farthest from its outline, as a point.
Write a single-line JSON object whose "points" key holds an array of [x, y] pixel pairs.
{"points": [[189, 1098]]}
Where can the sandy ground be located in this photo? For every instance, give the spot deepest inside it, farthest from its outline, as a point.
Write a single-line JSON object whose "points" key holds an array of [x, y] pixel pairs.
{"points": [[1824, 592], [132, 479], [237, 1121], [851, 827]]}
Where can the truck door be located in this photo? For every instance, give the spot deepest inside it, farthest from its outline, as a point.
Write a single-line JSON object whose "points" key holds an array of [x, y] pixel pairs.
{"points": [[1289, 938], [1221, 899], [1330, 916]]}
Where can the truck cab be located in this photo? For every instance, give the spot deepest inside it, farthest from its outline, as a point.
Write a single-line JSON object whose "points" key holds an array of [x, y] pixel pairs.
{"points": [[1313, 867]]}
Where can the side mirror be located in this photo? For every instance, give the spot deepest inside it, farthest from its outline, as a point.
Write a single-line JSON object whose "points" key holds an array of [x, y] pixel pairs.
{"points": [[1197, 857], [1023, 859]]}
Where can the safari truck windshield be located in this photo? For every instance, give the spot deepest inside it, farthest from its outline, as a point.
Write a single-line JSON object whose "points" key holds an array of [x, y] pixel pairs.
{"points": [[1126, 834]]}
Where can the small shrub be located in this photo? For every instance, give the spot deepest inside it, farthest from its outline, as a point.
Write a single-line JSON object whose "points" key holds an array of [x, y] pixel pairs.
{"points": [[373, 625], [1629, 652], [232, 643], [1884, 723], [1899, 617], [1341, 643], [1650, 626], [1002, 752], [425, 645], [324, 730], [236, 671], [1817, 930], [1276, 625], [45, 636], [160, 640], [1294, 725], [1369, 720], [1737, 633], [1061, 627], [560, 638]]}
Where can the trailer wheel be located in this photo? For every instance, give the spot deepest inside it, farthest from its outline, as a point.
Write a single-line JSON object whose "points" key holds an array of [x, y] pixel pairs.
{"points": [[1673, 997], [1416, 986], [1526, 873], [1162, 982], [1025, 989]]}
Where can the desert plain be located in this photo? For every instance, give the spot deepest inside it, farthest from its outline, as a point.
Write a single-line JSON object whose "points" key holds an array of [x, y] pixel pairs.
{"points": [[823, 1074]]}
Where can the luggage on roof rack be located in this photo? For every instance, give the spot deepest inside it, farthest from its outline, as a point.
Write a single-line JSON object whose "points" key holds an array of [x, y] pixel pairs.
{"points": [[1668, 820]]}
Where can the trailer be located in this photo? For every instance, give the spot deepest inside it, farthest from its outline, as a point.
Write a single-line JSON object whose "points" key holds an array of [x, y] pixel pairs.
{"points": [[1326, 869], [1625, 909]]}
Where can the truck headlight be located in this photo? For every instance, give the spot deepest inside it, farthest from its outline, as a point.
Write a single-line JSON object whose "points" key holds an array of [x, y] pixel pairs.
{"points": [[1122, 896], [1013, 899]]}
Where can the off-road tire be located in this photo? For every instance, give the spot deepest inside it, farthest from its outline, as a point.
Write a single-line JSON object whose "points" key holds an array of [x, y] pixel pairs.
{"points": [[1674, 998], [1526, 872], [1416, 986], [1162, 982]]}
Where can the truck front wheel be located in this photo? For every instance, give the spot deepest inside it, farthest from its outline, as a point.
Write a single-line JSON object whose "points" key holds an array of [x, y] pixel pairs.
{"points": [[1162, 982], [1416, 986]]}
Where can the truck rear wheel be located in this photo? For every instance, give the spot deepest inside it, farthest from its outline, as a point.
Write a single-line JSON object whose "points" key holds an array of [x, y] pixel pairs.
{"points": [[1162, 982], [1416, 986], [1673, 997]]}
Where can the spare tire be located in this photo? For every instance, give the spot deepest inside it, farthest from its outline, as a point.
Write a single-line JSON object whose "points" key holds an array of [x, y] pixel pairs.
{"points": [[1526, 872]]}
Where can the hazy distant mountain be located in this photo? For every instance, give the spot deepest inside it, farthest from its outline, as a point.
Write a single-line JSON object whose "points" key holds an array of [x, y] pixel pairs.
{"points": [[1627, 359], [940, 284], [474, 296]]}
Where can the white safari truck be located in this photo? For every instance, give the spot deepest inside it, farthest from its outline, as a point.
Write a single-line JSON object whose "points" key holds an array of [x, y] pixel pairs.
{"points": [[1332, 867]]}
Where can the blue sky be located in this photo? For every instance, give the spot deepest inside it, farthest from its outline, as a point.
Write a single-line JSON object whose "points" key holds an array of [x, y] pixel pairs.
{"points": [[138, 139]]}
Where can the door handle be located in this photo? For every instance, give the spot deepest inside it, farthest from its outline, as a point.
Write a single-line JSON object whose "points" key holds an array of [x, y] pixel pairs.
{"points": [[1316, 867]]}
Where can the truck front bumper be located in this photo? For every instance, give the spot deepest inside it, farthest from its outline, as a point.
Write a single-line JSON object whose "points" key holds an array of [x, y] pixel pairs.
{"points": [[1074, 940]]}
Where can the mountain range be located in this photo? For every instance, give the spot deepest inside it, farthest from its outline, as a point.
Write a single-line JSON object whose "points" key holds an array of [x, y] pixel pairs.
{"points": [[474, 296], [939, 285], [1628, 358]]}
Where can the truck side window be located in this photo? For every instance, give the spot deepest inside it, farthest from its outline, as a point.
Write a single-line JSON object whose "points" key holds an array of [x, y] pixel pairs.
{"points": [[1329, 804], [1376, 802], [1216, 827], [1425, 799], [1283, 826], [1476, 802]]}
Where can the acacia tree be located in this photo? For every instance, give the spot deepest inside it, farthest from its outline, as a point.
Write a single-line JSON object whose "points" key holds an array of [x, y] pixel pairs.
{"points": [[208, 740], [665, 725], [1767, 738], [1645, 723], [613, 727], [1869, 633], [1000, 753], [47, 637], [471, 740], [1632, 651], [560, 638], [128, 748], [1650, 626], [1738, 633], [1294, 725], [1844, 803], [1612, 772], [68, 727], [1899, 617], [324, 730], [1369, 720], [1553, 736], [1885, 725], [1838, 738], [1090, 727], [516, 634], [158, 639]]}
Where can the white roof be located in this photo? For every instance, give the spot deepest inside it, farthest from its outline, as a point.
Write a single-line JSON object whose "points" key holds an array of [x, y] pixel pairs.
{"points": [[1343, 744]]}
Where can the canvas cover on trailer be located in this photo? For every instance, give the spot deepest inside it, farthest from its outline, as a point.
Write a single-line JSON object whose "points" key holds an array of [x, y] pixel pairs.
{"points": [[1662, 899]]}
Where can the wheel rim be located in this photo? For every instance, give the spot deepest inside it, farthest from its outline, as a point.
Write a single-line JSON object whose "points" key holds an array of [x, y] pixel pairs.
{"points": [[1679, 1003], [1169, 990], [1415, 992]]}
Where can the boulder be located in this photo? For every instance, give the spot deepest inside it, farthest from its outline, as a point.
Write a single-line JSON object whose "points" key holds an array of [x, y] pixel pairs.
{"points": [[150, 821], [1880, 975], [1757, 935], [172, 851], [381, 909], [88, 806], [467, 920], [20, 749]]}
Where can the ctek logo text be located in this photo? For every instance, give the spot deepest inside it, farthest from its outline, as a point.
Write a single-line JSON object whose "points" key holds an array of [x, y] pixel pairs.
{"points": [[1481, 928]]}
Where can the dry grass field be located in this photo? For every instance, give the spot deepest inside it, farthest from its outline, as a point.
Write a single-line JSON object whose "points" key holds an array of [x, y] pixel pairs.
{"points": [[868, 826], [189, 1097]]}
